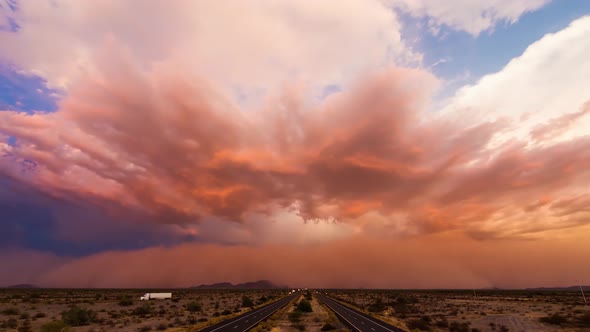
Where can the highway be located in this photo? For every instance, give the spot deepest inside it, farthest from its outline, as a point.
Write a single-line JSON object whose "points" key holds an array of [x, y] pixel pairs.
{"points": [[356, 320], [248, 320]]}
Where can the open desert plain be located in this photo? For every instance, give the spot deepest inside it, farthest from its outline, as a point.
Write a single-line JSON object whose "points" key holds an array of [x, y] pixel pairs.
{"points": [[195, 310]]}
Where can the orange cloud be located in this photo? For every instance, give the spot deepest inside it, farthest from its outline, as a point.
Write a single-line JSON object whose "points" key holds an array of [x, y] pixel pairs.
{"points": [[181, 151]]}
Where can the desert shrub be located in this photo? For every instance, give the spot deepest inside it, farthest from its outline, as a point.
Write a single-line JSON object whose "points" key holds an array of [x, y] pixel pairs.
{"points": [[304, 306], [299, 326], [308, 295], [555, 319], [504, 328], [194, 307], [39, 315], [145, 328], [161, 327], [125, 301], [25, 315], [226, 312], [328, 327], [443, 323], [247, 302], [55, 326], [585, 319], [418, 324], [77, 316], [10, 311], [10, 323], [202, 320], [26, 327], [295, 316], [400, 308], [459, 327], [142, 311], [377, 305]]}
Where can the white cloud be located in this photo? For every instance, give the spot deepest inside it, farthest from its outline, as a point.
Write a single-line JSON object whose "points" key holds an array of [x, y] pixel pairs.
{"points": [[548, 81], [471, 16], [246, 46]]}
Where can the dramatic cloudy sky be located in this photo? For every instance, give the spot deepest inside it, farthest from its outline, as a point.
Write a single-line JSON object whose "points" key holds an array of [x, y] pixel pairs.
{"points": [[349, 143]]}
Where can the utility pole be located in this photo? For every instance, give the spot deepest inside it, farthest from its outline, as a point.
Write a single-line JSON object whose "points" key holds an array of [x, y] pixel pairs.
{"points": [[583, 296]]}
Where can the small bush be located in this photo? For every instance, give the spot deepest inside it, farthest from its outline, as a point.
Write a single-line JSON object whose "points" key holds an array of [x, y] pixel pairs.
{"points": [[459, 327], [194, 307], [555, 319], [299, 326], [142, 311], [304, 306], [77, 316], [26, 327], [585, 319], [125, 301], [10, 311], [419, 324], [378, 306], [39, 315], [328, 327], [247, 302], [226, 312], [55, 326], [295, 316]]}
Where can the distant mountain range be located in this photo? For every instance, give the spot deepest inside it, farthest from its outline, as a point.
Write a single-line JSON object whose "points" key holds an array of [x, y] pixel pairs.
{"points": [[261, 284]]}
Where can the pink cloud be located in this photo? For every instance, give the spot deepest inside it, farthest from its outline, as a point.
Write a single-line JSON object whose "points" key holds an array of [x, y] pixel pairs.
{"points": [[179, 150]]}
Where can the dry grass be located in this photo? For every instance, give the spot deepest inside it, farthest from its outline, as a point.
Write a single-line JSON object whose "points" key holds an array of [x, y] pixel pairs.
{"points": [[114, 311], [489, 310]]}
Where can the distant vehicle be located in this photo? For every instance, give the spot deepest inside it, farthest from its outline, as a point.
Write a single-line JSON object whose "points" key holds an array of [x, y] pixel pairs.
{"points": [[156, 296]]}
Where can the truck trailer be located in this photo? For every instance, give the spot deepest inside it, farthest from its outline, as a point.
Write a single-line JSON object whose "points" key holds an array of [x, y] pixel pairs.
{"points": [[156, 296]]}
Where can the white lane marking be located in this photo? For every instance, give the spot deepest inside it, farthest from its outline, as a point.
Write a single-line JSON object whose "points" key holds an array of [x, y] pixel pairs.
{"points": [[349, 322], [362, 322], [271, 312], [371, 320], [235, 327], [222, 326], [372, 328]]}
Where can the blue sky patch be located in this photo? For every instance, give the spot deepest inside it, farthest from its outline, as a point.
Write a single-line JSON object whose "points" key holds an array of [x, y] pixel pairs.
{"points": [[27, 93], [462, 53]]}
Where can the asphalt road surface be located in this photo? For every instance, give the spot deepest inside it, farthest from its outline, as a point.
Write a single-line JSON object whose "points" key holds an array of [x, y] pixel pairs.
{"points": [[250, 319], [356, 320]]}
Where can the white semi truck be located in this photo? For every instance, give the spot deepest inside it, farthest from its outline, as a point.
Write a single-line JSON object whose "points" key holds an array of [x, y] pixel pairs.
{"points": [[156, 296]]}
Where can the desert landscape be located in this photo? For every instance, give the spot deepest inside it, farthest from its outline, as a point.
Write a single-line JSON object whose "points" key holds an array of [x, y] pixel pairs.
{"points": [[87, 310], [294, 165]]}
